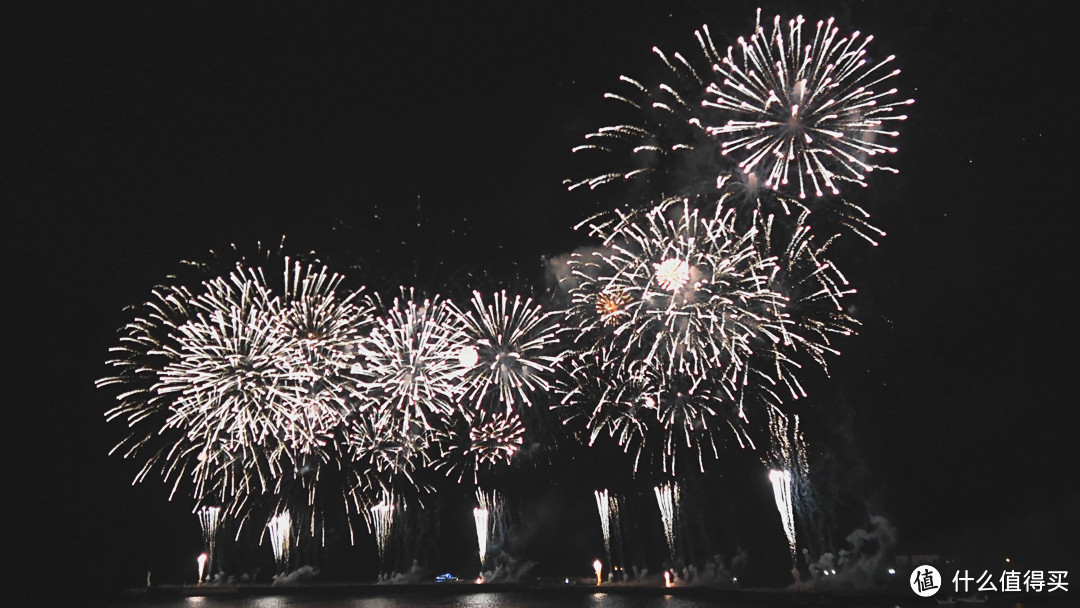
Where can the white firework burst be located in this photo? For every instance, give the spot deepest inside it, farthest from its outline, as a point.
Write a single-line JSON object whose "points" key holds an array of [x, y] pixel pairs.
{"points": [[815, 108], [508, 349], [410, 366], [694, 291]]}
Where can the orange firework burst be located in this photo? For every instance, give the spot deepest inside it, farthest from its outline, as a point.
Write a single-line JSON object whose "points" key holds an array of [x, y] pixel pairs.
{"points": [[611, 306]]}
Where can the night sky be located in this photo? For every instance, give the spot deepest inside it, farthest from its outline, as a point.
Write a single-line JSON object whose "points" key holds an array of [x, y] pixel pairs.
{"points": [[139, 135]]}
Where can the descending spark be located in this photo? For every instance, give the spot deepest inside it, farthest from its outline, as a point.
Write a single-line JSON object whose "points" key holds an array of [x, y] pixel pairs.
{"points": [[508, 352], [209, 520], [667, 498], [781, 483], [280, 531], [810, 110], [382, 519]]}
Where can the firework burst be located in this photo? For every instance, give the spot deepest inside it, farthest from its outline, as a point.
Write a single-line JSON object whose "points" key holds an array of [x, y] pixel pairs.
{"points": [[481, 442], [603, 400], [812, 287], [665, 141], [691, 291], [658, 419], [386, 447], [233, 390], [508, 344], [714, 324], [410, 366], [814, 108]]}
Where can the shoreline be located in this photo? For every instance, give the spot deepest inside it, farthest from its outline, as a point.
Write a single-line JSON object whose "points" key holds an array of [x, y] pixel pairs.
{"points": [[551, 590]]}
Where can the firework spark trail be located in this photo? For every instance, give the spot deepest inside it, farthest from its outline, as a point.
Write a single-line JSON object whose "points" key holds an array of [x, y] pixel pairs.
{"points": [[382, 522], [280, 531], [790, 473], [814, 115], [659, 419], [480, 518], [608, 508], [209, 520], [667, 498], [507, 351], [599, 394], [386, 448], [781, 483]]}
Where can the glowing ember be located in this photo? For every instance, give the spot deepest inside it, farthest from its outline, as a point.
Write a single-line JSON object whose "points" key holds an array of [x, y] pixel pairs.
{"points": [[672, 274], [612, 307]]}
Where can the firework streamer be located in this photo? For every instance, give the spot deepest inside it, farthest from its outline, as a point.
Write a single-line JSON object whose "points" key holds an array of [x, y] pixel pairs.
{"points": [[382, 523], [789, 474], [602, 507], [812, 288], [280, 531], [209, 520], [608, 508], [480, 518], [781, 484], [811, 109], [667, 498]]}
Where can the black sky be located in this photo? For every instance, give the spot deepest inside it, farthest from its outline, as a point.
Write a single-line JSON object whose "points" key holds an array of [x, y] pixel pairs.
{"points": [[137, 135]]}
